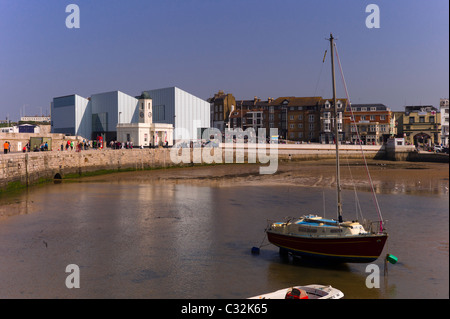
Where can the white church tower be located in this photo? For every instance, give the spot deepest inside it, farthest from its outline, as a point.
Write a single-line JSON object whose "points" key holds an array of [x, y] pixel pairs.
{"points": [[145, 108], [145, 133]]}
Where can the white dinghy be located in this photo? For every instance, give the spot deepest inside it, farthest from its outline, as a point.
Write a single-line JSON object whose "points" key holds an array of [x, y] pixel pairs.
{"points": [[304, 292]]}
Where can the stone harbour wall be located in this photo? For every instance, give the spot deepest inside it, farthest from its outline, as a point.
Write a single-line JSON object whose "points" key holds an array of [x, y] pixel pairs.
{"points": [[18, 170], [23, 169]]}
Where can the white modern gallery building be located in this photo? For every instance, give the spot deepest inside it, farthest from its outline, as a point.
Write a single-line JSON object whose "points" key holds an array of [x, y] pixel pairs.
{"points": [[166, 114]]}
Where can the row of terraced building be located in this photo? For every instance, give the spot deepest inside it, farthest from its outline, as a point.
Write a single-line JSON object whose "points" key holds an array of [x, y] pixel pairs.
{"points": [[305, 119]]}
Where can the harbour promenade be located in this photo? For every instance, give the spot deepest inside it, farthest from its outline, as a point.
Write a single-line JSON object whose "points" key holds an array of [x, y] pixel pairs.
{"points": [[18, 170]]}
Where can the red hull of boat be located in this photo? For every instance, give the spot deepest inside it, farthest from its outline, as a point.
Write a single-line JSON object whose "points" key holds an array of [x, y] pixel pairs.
{"points": [[344, 249]]}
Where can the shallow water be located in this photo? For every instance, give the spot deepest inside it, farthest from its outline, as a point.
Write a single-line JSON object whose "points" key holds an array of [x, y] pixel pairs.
{"points": [[135, 239]]}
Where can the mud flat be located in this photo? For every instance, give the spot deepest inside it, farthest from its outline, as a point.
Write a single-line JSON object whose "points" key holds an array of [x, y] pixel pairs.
{"points": [[387, 176]]}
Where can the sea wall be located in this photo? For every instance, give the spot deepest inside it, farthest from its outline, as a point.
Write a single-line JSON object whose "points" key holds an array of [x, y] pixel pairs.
{"points": [[24, 169]]}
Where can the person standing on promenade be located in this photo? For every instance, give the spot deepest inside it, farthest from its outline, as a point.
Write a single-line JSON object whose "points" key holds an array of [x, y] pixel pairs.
{"points": [[5, 147]]}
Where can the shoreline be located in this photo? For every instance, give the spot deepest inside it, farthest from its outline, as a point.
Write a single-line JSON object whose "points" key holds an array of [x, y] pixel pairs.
{"points": [[386, 175], [308, 173], [19, 171]]}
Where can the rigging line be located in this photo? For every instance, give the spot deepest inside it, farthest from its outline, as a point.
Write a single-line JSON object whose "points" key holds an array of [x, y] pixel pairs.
{"points": [[320, 73], [358, 206], [359, 141]]}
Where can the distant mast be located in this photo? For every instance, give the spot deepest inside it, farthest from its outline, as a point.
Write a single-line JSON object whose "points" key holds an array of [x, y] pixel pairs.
{"points": [[336, 134]]}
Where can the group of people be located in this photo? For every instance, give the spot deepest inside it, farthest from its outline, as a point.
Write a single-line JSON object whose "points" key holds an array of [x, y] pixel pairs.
{"points": [[79, 145], [71, 145], [115, 145], [42, 147]]}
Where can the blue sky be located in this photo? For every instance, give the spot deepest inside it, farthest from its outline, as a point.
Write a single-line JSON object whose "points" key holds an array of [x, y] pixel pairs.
{"points": [[247, 47]]}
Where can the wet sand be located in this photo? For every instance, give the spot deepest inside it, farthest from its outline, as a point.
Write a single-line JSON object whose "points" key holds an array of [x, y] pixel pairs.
{"points": [[387, 176]]}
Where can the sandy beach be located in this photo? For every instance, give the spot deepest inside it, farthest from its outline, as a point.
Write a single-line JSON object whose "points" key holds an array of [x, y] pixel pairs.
{"points": [[387, 176]]}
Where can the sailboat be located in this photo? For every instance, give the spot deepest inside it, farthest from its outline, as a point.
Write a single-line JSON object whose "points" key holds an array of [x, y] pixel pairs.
{"points": [[330, 239]]}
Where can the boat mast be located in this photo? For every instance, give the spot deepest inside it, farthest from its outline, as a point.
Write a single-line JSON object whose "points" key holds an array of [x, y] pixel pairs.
{"points": [[336, 134]]}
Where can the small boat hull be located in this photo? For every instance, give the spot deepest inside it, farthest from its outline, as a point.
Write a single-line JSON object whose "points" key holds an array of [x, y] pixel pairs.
{"points": [[313, 292], [354, 249]]}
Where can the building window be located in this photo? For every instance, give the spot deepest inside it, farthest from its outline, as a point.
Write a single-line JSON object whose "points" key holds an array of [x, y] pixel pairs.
{"points": [[300, 134], [291, 117], [372, 117], [311, 126], [411, 120], [311, 117], [291, 125], [431, 119], [373, 108], [300, 117], [422, 119], [382, 117], [300, 125], [271, 109]]}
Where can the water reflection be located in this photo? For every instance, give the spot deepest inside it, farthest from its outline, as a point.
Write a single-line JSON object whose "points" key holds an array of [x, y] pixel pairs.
{"points": [[138, 239]]}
